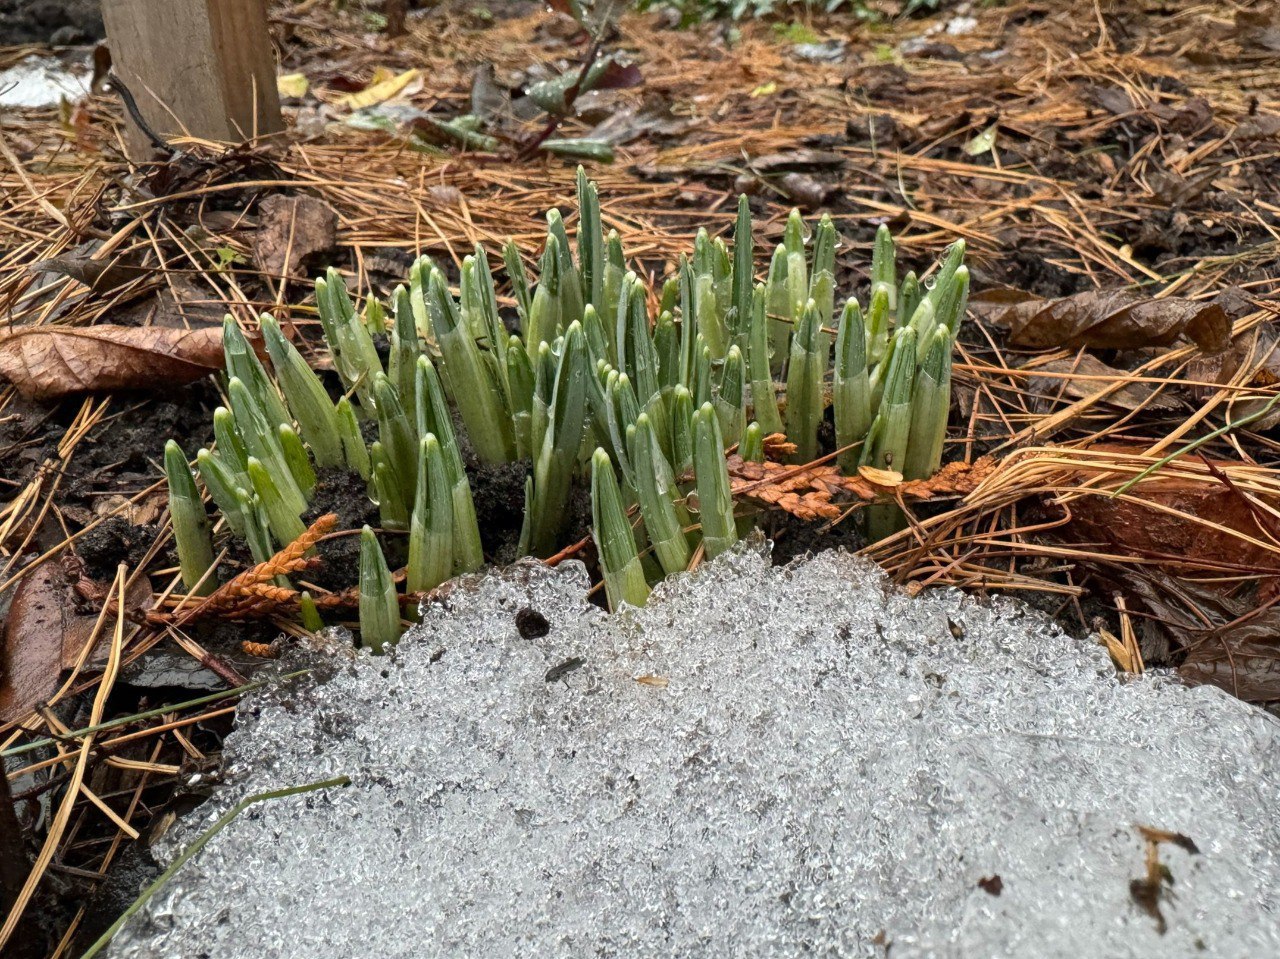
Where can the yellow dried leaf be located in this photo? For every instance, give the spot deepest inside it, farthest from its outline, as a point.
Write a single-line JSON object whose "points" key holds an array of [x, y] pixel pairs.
{"points": [[380, 90], [292, 85], [878, 477], [984, 142], [1119, 654]]}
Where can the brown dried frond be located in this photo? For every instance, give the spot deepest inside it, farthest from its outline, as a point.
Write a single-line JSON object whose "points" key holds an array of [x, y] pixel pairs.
{"points": [[291, 559], [344, 599], [253, 593], [777, 447], [822, 492]]}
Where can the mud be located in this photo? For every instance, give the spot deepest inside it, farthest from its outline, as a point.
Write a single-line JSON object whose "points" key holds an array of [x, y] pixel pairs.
{"points": [[113, 542], [343, 492], [498, 494]]}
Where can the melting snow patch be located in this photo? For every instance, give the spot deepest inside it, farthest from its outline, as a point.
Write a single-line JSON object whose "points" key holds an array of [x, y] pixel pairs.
{"points": [[41, 82], [763, 762]]}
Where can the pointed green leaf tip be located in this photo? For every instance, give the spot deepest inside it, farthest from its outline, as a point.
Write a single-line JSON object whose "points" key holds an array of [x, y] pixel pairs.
{"points": [[715, 497], [230, 446], [619, 561], [243, 362], [654, 487], [930, 407], [850, 384], [431, 525], [285, 522], [752, 448], [809, 361], [305, 396], [379, 607], [190, 524], [886, 447], [883, 267]]}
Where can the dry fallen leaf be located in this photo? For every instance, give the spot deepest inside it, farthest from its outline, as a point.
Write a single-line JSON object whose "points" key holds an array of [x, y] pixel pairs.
{"points": [[290, 229], [31, 653], [292, 85], [879, 477], [806, 191], [1242, 659], [383, 88], [1259, 352], [1085, 375], [1145, 524], [489, 98], [1121, 657], [48, 362], [46, 631], [799, 159], [1104, 320], [101, 275], [1229, 641]]}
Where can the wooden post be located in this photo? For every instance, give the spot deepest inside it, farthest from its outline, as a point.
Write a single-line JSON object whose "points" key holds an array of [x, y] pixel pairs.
{"points": [[202, 68]]}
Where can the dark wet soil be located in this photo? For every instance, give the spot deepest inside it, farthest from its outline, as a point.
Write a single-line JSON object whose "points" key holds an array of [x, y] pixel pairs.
{"points": [[120, 457], [134, 870], [113, 542], [343, 492], [498, 494], [794, 538]]}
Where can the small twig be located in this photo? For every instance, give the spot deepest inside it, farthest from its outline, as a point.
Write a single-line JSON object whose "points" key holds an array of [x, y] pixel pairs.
{"points": [[1197, 443], [131, 105], [568, 552]]}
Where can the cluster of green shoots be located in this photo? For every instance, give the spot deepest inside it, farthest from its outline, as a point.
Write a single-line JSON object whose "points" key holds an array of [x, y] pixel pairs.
{"points": [[595, 388]]}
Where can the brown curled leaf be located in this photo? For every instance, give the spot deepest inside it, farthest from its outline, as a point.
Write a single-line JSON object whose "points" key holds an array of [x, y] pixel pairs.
{"points": [[1084, 375], [48, 627], [1103, 320], [101, 276], [49, 362], [290, 230]]}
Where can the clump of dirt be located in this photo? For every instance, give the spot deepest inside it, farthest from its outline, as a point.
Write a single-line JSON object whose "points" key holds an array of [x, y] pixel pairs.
{"points": [[498, 494], [120, 457], [342, 491], [794, 537], [113, 542], [126, 456], [1028, 270], [57, 22], [29, 434], [531, 624]]}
